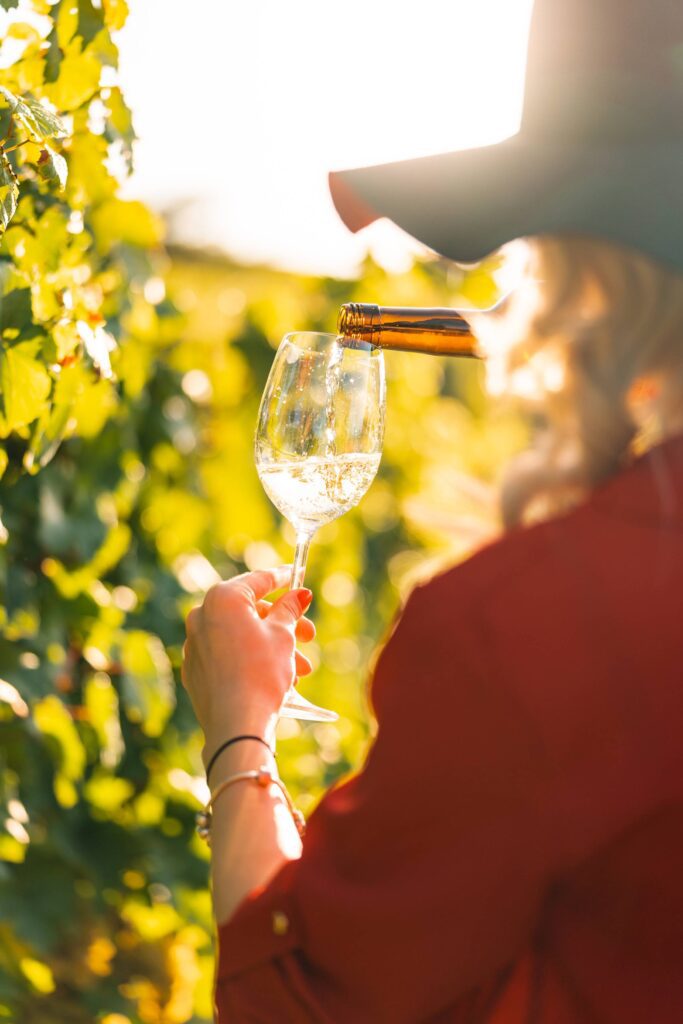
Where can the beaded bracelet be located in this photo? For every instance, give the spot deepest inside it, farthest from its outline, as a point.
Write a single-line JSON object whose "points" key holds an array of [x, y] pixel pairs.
{"points": [[263, 777]]}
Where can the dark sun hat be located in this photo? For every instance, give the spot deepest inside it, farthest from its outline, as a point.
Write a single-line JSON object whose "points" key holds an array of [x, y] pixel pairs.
{"points": [[599, 152]]}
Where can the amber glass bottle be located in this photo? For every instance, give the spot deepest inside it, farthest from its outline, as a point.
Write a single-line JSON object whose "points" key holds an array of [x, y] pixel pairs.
{"points": [[409, 329]]}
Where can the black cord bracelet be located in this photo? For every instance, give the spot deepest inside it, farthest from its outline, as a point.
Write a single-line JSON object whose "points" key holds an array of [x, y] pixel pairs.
{"points": [[229, 743]]}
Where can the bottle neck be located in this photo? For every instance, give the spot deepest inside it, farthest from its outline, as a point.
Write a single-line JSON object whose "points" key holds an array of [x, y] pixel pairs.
{"points": [[434, 330]]}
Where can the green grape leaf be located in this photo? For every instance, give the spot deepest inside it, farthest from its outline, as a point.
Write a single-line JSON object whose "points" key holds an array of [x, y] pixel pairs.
{"points": [[44, 123], [127, 221], [51, 427], [147, 684], [102, 702], [115, 14], [47, 437], [9, 192], [119, 126], [90, 21], [53, 57], [39, 121], [78, 81], [52, 167], [53, 719], [25, 385], [15, 310]]}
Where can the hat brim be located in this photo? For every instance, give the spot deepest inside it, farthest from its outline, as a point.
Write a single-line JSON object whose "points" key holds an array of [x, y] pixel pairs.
{"points": [[468, 203]]}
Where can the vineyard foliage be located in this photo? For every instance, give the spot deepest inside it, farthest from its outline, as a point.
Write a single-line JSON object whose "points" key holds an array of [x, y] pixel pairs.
{"points": [[128, 488]]}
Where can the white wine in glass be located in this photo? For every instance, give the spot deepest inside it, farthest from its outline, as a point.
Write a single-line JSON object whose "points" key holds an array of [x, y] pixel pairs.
{"points": [[319, 443]]}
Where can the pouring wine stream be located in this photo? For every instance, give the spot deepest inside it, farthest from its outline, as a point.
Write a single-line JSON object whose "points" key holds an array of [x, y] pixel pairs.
{"points": [[332, 378]]}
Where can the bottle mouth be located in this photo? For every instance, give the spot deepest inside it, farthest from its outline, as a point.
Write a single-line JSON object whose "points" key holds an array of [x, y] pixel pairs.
{"points": [[357, 320]]}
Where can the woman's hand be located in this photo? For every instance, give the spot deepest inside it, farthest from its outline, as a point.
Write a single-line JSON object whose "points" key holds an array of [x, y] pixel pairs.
{"points": [[240, 657]]}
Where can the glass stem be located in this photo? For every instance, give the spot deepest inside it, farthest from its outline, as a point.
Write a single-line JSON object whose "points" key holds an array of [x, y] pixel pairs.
{"points": [[303, 542]]}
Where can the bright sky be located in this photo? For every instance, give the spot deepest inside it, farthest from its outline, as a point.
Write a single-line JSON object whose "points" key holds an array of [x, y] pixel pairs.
{"points": [[243, 106]]}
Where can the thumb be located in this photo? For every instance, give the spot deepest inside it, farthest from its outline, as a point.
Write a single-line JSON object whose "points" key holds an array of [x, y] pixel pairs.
{"points": [[289, 608]]}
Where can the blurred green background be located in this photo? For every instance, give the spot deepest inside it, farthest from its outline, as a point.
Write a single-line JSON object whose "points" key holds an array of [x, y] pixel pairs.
{"points": [[124, 497]]}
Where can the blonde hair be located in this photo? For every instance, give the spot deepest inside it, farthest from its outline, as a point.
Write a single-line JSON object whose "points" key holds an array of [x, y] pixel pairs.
{"points": [[593, 341]]}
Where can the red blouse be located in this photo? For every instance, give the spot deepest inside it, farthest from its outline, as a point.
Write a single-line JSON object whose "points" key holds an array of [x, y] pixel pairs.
{"points": [[512, 850]]}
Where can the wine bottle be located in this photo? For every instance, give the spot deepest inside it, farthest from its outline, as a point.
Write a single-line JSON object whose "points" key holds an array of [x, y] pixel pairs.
{"points": [[438, 331]]}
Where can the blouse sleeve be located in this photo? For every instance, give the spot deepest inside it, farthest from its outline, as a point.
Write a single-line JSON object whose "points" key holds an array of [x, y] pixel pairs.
{"points": [[421, 877]]}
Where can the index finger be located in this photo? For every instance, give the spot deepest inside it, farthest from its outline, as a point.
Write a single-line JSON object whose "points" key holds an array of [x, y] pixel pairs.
{"points": [[262, 582]]}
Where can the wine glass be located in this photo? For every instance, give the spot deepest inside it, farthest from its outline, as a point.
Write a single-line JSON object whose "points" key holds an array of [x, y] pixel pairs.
{"points": [[319, 443]]}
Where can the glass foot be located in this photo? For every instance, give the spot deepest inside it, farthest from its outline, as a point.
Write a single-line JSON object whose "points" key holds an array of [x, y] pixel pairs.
{"points": [[296, 706]]}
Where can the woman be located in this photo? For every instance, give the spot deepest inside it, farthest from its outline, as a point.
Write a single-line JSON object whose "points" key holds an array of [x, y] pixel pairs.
{"points": [[514, 857]]}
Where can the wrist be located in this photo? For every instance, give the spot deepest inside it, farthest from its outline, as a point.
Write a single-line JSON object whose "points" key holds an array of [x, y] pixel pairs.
{"points": [[246, 756], [255, 744], [225, 728]]}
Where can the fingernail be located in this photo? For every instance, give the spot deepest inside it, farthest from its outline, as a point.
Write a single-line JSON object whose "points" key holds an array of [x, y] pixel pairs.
{"points": [[305, 598]]}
